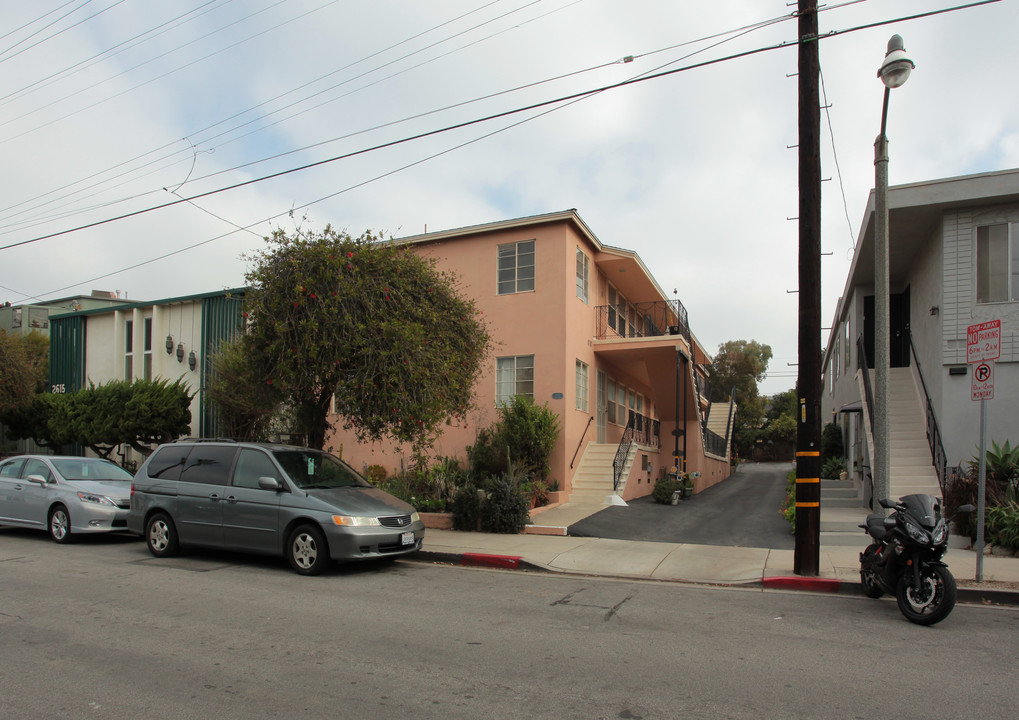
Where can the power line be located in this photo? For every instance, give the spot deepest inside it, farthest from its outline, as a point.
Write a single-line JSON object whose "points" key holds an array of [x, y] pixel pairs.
{"points": [[58, 32], [730, 33], [411, 138], [209, 127]]}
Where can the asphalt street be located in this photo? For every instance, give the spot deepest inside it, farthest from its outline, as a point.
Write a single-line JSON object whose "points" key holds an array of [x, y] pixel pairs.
{"points": [[742, 511], [102, 630]]}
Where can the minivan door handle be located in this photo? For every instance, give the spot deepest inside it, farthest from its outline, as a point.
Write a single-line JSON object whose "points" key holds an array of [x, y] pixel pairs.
{"points": [[231, 499], [214, 497]]}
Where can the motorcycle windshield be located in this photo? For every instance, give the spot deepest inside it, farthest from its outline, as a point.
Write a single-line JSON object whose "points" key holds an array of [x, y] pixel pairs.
{"points": [[925, 509]]}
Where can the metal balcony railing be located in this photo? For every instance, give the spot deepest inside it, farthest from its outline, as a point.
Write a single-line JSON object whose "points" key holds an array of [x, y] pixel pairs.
{"points": [[640, 320]]}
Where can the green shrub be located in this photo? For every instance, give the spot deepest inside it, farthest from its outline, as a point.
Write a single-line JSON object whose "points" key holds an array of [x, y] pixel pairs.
{"points": [[505, 509], [788, 511], [524, 435], [376, 474], [833, 467], [664, 488], [466, 507], [831, 442], [1002, 525]]}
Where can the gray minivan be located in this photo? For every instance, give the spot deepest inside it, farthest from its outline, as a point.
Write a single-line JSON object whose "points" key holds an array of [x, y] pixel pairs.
{"points": [[305, 504]]}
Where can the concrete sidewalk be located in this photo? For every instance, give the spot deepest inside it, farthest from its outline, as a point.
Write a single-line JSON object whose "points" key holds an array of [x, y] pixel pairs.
{"points": [[702, 564]]}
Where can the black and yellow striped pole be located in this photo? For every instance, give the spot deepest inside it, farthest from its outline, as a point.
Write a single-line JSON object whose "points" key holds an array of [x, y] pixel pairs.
{"points": [[806, 559]]}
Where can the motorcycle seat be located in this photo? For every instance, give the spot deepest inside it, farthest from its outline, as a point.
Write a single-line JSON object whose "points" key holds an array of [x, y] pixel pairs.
{"points": [[876, 525]]}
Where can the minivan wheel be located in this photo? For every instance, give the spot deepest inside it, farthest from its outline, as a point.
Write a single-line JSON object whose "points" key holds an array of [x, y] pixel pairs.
{"points": [[307, 550], [60, 524], [161, 536]]}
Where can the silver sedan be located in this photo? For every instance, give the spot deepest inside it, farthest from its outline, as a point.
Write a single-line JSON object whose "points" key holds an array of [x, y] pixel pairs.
{"points": [[64, 495]]}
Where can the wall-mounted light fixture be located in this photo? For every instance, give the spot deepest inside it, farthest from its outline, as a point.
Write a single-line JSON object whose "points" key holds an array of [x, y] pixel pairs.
{"points": [[192, 360], [169, 345], [935, 309], [180, 352]]}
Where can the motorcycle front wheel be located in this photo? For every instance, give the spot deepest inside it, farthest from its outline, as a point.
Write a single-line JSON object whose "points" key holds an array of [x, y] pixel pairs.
{"points": [[867, 580], [934, 600]]}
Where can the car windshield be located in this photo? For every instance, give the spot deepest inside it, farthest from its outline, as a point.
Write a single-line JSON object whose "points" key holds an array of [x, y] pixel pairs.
{"points": [[310, 469], [89, 469]]}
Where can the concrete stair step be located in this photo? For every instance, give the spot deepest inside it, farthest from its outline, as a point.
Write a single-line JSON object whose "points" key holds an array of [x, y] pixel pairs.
{"points": [[853, 502], [845, 539], [840, 492]]}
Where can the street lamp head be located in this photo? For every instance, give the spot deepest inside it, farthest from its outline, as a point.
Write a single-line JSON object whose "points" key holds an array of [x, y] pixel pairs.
{"points": [[896, 68]]}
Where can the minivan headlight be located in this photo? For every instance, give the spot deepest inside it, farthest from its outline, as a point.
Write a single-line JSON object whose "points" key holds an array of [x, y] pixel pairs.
{"points": [[355, 520]]}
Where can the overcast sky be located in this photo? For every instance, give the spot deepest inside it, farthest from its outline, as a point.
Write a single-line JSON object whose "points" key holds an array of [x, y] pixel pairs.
{"points": [[112, 106]]}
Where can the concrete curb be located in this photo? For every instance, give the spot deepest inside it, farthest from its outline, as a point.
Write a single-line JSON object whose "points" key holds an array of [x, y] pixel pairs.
{"points": [[969, 595]]}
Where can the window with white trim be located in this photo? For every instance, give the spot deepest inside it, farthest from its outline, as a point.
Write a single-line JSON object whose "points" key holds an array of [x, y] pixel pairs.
{"points": [[582, 386], [129, 350], [610, 402], [513, 376], [516, 267], [583, 274], [998, 263], [147, 350]]}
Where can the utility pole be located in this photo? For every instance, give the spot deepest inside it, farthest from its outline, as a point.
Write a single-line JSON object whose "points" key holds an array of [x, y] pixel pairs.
{"points": [[806, 559]]}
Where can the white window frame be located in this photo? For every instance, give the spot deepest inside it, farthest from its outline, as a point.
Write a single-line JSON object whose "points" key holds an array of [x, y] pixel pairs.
{"points": [[129, 350], [583, 275], [583, 381], [512, 274], [147, 350], [514, 375], [1004, 270]]}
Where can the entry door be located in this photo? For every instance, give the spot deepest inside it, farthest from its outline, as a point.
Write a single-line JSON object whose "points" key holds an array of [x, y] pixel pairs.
{"points": [[602, 410], [898, 329]]}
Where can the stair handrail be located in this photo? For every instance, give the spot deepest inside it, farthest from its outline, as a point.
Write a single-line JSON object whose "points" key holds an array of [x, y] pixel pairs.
{"points": [[861, 364], [622, 452], [938, 457], [728, 424], [581, 443]]}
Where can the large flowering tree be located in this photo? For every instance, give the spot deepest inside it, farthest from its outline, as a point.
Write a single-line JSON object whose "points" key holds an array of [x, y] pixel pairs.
{"points": [[366, 321]]}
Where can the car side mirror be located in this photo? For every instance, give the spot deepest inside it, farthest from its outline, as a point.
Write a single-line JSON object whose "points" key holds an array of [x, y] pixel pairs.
{"points": [[269, 483], [38, 479]]}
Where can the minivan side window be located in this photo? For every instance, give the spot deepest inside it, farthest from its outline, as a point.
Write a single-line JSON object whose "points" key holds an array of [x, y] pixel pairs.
{"points": [[209, 465], [251, 465], [167, 462]]}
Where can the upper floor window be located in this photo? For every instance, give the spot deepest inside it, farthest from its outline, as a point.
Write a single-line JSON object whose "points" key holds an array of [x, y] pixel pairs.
{"points": [[147, 351], [129, 350], [516, 267], [583, 273], [998, 263], [513, 376]]}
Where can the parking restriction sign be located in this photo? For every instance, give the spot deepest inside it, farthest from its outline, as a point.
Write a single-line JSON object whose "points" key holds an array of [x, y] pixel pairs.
{"points": [[983, 341], [983, 381]]}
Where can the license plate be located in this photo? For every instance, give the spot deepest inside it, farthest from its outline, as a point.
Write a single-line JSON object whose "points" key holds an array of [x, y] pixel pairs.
{"points": [[407, 538]]}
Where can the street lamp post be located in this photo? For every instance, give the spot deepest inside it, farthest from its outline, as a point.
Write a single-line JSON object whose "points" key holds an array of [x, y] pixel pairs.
{"points": [[894, 71]]}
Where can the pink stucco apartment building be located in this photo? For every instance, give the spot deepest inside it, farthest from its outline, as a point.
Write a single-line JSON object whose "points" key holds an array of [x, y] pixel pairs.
{"points": [[585, 328]]}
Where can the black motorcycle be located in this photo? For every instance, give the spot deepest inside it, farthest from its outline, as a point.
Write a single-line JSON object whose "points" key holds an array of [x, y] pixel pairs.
{"points": [[905, 558]]}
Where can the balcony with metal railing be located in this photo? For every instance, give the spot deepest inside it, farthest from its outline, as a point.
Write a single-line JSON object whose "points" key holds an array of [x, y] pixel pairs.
{"points": [[642, 320]]}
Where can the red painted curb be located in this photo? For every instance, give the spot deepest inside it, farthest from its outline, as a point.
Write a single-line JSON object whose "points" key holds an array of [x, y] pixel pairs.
{"points": [[495, 561], [803, 583]]}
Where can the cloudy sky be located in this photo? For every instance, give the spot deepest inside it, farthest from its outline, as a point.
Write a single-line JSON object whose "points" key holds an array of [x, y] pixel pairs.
{"points": [[109, 107]]}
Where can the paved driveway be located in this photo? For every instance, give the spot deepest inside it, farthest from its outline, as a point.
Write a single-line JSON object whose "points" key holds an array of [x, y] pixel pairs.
{"points": [[741, 511]]}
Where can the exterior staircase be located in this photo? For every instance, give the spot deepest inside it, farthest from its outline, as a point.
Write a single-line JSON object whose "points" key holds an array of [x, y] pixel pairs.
{"points": [[911, 470], [592, 483]]}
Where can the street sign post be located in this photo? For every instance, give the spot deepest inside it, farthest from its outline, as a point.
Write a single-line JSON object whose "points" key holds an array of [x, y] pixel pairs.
{"points": [[983, 347]]}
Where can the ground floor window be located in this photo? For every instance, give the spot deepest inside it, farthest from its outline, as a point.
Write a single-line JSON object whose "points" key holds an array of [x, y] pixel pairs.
{"points": [[513, 376]]}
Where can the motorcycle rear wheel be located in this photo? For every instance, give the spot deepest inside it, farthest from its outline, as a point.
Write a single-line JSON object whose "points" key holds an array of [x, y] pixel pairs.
{"points": [[867, 580], [933, 602]]}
